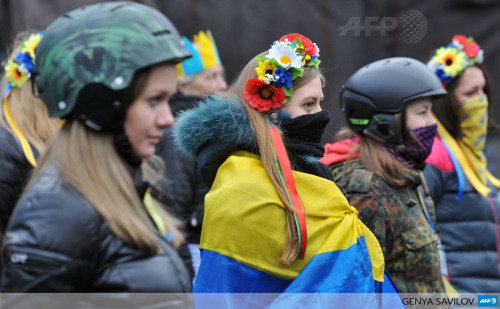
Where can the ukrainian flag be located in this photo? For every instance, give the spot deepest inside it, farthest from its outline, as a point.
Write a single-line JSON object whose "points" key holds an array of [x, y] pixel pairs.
{"points": [[244, 231]]}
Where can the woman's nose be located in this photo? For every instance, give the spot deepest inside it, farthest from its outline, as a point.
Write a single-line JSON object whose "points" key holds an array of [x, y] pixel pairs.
{"points": [[165, 118]]}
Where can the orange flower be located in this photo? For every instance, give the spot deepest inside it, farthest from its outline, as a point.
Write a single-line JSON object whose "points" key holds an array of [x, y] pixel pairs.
{"points": [[14, 75]]}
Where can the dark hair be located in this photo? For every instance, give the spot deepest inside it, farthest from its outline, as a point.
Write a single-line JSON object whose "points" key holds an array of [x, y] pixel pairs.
{"points": [[445, 107], [139, 81]]}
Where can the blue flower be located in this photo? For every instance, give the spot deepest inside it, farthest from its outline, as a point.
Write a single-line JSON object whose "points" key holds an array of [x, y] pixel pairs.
{"points": [[285, 78], [25, 61], [442, 76]]}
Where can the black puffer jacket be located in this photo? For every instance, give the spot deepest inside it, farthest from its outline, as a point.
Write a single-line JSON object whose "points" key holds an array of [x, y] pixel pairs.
{"points": [[14, 172], [185, 192], [57, 242]]}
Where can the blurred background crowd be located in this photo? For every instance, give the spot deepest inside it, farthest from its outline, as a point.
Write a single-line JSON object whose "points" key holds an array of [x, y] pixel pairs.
{"points": [[350, 33]]}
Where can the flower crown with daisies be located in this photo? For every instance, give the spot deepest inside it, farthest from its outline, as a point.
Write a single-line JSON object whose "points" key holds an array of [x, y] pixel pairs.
{"points": [[285, 62], [18, 71], [450, 61]]}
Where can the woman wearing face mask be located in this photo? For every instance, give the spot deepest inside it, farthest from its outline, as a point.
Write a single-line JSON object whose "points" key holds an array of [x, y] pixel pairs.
{"points": [[465, 193], [86, 222], [387, 105], [274, 219]]}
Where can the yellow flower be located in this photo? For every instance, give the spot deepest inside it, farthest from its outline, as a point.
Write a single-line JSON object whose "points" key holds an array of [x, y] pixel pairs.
{"points": [[306, 59], [31, 44], [16, 77], [265, 68], [453, 60]]}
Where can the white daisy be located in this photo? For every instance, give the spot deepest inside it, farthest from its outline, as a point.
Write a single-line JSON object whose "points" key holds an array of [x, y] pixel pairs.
{"points": [[285, 55]]}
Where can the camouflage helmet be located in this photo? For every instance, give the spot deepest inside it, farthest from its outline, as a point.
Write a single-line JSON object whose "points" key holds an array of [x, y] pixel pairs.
{"points": [[373, 99], [88, 57]]}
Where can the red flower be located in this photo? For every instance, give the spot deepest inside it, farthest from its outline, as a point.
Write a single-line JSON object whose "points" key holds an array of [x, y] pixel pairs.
{"points": [[462, 39], [471, 49], [263, 97], [308, 44]]}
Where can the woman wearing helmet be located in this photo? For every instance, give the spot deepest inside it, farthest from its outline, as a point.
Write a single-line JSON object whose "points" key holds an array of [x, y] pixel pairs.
{"points": [[25, 125], [268, 228], [387, 105], [86, 222], [465, 192]]}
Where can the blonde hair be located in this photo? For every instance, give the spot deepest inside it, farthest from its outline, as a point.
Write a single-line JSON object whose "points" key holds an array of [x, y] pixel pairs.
{"points": [[262, 129], [88, 161], [29, 113]]}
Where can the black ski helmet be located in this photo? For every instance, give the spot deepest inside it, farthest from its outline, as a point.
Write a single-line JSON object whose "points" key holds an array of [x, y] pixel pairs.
{"points": [[88, 56], [374, 98]]}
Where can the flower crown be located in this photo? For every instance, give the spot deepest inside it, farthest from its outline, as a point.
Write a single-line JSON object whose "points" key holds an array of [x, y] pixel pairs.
{"points": [[450, 61], [18, 71], [276, 71]]}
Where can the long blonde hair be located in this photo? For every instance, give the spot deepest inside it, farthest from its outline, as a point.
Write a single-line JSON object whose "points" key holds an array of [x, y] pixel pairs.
{"points": [[29, 113], [262, 129], [88, 161]]}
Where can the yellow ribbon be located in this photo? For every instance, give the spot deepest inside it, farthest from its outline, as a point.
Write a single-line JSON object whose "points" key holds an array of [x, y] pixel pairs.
{"points": [[155, 215], [25, 145], [467, 167]]}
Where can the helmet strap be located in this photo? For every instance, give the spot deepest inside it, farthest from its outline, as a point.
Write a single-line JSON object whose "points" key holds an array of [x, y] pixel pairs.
{"points": [[125, 149]]}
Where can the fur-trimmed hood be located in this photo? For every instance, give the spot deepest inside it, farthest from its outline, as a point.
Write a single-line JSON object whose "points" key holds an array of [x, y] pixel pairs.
{"points": [[215, 120], [213, 130], [218, 126]]}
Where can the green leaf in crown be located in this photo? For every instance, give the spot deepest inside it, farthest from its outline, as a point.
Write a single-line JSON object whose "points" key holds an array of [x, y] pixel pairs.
{"points": [[288, 93]]}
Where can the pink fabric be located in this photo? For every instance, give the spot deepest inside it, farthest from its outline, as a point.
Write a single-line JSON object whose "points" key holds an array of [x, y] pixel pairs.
{"points": [[439, 157], [338, 152]]}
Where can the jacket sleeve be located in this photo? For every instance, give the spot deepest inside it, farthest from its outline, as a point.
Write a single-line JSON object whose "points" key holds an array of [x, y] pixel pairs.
{"points": [[372, 214], [369, 196], [14, 172], [48, 246], [191, 191]]}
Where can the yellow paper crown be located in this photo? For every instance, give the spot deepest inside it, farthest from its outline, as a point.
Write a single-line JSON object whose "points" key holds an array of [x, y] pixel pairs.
{"points": [[205, 55]]}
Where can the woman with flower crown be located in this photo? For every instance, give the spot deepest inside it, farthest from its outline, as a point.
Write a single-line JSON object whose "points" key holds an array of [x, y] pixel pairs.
{"points": [[275, 222], [25, 125], [465, 193]]}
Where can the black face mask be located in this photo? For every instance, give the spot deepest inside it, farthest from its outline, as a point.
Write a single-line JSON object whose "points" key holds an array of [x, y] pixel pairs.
{"points": [[302, 137]]}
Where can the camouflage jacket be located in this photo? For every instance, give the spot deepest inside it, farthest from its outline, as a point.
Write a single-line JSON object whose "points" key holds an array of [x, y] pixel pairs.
{"points": [[400, 222]]}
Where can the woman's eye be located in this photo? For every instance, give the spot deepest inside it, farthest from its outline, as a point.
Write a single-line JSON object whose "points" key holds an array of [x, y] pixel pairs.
{"points": [[309, 105], [156, 99]]}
